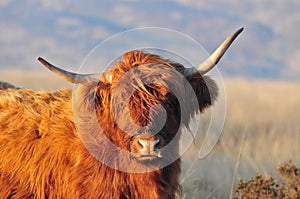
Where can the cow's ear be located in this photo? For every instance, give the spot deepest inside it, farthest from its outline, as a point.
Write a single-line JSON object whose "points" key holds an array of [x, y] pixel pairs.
{"points": [[204, 88], [102, 94], [92, 95]]}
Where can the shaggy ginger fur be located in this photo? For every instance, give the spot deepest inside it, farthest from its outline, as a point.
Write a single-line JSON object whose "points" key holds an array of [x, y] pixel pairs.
{"points": [[42, 156]]}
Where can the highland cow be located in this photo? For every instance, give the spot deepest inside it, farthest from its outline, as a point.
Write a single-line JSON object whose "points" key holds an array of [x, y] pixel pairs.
{"points": [[43, 155]]}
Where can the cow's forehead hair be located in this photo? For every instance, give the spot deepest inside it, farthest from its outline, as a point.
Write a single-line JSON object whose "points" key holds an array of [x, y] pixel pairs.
{"points": [[140, 65]]}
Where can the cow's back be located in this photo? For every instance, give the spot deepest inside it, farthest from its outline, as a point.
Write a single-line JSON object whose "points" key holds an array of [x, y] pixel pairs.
{"points": [[36, 135]]}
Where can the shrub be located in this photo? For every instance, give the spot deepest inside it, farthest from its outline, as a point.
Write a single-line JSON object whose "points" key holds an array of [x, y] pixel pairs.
{"points": [[286, 185]]}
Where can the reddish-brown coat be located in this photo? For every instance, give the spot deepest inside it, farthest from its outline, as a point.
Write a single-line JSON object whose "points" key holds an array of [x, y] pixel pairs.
{"points": [[42, 156]]}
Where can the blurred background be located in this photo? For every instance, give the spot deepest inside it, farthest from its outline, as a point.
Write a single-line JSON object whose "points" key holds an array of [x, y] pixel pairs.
{"points": [[261, 70], [65, 31]]}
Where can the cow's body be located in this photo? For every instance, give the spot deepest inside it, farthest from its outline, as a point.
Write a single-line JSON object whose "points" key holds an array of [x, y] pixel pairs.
{"points": [[41, 155]]}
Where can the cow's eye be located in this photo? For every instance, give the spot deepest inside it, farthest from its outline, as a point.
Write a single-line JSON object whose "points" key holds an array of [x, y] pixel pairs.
{"points": [[170, 105], [133, 136], [164, 134]]}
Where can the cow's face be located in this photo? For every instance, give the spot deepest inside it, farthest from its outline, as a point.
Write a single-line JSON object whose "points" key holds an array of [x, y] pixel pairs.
{"points": [[150, 122], [146, 101]]}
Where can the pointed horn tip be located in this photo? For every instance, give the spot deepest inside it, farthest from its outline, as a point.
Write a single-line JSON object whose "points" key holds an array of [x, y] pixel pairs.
{"points": [[39, 59], [240, 30], [47, 64], [42, 60], [236, 33]]}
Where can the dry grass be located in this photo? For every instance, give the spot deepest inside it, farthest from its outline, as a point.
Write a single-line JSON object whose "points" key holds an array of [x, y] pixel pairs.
{"points": [[267, 113]]}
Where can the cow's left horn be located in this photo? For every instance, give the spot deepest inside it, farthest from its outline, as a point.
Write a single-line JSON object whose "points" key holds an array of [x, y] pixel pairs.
{"points": [[69, 76], [215, 57]]}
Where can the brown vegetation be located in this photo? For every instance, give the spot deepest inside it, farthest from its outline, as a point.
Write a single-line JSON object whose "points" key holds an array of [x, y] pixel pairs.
{"points": [[286, 186]]}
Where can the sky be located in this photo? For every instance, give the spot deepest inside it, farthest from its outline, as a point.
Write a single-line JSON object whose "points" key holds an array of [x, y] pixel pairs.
{"points": [[66, 31]]}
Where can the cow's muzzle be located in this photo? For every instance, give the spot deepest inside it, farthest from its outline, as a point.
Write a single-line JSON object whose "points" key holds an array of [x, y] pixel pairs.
{"points": [[146, 148]]}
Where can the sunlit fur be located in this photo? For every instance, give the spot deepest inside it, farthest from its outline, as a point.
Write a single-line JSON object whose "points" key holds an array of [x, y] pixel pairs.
{"points": [[41, 155]]}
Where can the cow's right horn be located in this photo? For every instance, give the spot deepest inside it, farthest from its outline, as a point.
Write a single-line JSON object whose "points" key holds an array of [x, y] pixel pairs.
{"points": [[69, 76], [215, 57]]}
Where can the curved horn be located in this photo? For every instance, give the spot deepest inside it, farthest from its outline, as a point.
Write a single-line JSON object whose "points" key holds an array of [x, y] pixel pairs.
{"points": [[215, 57], [69, 76]]}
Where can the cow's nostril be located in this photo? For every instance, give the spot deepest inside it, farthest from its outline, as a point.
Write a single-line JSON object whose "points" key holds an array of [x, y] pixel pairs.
{"points": [[156, 144], [142, 143]]}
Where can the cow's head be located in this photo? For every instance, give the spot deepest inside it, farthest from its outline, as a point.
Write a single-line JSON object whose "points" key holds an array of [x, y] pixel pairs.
{"points": [[142, 102]]}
